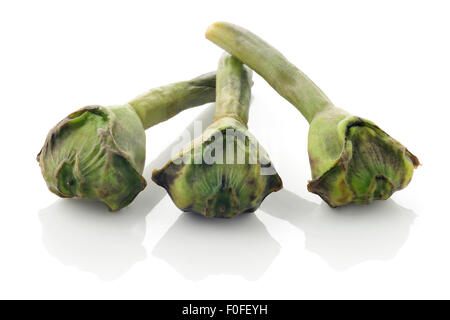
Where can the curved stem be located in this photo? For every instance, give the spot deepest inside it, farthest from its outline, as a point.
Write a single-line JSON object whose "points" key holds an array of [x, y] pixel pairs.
{"points": [[264, 59], [161, 104], [233, 90]]}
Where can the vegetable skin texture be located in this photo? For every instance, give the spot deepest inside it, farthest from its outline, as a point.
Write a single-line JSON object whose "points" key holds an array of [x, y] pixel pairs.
{"points": [[352, 160], [222, 189], [98, 153]]}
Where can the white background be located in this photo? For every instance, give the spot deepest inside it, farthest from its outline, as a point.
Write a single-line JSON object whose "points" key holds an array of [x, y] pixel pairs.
{"points": [[387, 61]]}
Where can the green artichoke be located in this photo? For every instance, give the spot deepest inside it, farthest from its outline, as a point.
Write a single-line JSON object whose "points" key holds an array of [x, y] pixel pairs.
{"points": [[224, 172], [99, 152], [352, 160]]}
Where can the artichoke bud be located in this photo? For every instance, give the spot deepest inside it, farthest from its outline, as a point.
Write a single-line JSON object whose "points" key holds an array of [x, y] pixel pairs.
{"points": [[96, 153], [223, 173], [354, 161]]}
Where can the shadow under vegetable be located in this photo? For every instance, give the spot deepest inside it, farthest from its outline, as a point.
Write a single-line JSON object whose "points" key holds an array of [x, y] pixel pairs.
{"points": [[198, 247], [346, 236]]}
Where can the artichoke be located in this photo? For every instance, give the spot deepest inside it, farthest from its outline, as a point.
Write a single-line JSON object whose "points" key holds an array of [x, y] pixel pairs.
{"points": [[352, 160], [224, 172], [99, 152]]}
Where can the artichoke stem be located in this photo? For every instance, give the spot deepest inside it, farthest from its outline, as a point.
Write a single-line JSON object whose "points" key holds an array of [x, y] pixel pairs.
{"points": [[162, 103], [283, 76], [234, 83]]}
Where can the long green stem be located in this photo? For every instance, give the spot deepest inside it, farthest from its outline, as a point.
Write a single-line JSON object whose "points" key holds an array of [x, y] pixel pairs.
{"points": [[234, 83], [161, 104], [282, 75]]}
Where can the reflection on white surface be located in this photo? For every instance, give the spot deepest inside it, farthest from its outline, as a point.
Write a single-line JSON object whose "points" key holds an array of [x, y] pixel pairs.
{"points": [[85, 234], [198, 247], [345, 236]]}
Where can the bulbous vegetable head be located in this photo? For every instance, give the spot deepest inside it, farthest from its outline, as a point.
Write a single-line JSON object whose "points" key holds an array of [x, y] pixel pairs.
{"points": [[354, 161], [222, 174], [96, 153]]}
